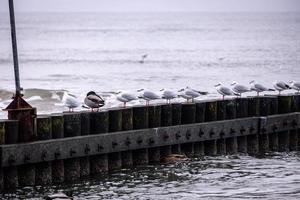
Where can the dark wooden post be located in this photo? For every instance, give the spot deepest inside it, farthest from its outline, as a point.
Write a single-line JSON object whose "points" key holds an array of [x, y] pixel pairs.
{"points": [[176, 120], [284, 106], [140, 121], [99, 124], [72, 127], [211, 114], [58, 172], [127, 124], [231, 143]]}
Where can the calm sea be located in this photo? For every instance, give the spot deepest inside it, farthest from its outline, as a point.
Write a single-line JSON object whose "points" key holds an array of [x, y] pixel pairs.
{"points": [[80, 52]]}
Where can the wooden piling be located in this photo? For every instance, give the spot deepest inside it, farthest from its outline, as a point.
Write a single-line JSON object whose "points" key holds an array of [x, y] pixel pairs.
{"points": [[284, 106], [241, 111], [166, 115], [295, 133], [264, 110], [198, 149], [85, 130], [10, 134], [114, 161], [211, 114], [154, 155], [58, 175], [99, 124], [231, 142], [85, 123], [221, 115], [187, 149], [2, 141], [72, 127], [115, 124], [140, 121], [200, 112], [188, 113], [154, 118], [176, 113], [127, 124], [273, 110], [140, 117], [253, 111], [44, 170], [115, 120]]}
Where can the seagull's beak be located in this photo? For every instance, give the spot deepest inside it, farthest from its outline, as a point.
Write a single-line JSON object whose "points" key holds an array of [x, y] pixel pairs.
{"points": [[162, 89]]}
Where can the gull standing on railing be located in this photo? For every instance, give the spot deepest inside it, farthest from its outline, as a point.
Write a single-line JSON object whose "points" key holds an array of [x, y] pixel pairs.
{"points": [[295, 85], [70, 101], [147, 95], [189, 93], [224, 91], [280, 86], [258, 87], [125, 97], [238, 88], [168, 95]]}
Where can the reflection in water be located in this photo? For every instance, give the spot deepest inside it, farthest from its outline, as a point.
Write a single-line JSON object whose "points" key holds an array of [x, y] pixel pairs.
{"points": [[274, 176]]}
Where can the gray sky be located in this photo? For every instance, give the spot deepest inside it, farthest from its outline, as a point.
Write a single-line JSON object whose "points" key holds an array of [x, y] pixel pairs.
{"points": [[153, 5]]}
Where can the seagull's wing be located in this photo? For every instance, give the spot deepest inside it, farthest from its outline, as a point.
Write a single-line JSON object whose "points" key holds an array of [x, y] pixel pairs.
{"points": [[225, 91], [151, 95], [261, 87], [96, 99], [129, 97], [240, 88], [282, 85], [192, 93]]}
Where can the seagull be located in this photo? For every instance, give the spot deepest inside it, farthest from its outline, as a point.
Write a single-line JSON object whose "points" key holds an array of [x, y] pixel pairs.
{"points": [[143, 58], [258, 87], [224, 91], [147, 95], [125, 97], [92, 100], [280, 86], [188, 93], [238, 88], [295, 85], [70, 101], [168, 95]]}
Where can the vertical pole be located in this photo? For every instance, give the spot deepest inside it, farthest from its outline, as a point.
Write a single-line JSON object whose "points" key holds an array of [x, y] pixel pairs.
{"points": [[211, 114], [176, 120], [14, 46], [284, 106], [127, 124], [231, 143]]}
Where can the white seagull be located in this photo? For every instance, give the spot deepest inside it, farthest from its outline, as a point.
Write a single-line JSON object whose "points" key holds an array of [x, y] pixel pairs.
{"points": [[125, 97], [238, 88], [295, 85], [168, 95], [224, 91], [70, 101], [92, 100], [280, 86], [189, 93], [258, 87], [147, 95]]}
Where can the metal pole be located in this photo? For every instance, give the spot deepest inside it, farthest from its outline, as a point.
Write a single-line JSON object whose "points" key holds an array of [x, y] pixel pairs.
{"points": [[14, 46]]}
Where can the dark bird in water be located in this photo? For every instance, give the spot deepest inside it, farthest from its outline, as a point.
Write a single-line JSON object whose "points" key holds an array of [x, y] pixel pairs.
{"points": [[93, 101], [143, 58]]}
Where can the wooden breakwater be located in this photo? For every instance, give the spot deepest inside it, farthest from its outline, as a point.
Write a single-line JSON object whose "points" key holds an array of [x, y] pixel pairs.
{"points": [[68, 146]]}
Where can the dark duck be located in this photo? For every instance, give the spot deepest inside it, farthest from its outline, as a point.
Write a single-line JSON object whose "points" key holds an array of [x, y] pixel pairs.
{"points": [[93, 101]]}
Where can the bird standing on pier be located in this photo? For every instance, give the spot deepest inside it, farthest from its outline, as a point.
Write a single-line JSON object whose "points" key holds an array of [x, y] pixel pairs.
{"points": [[224, 91], [70, 101], [258, 87], [147, 95], [280, 86], [238, 88], [125, 97], [189, 93], [295, 85], [93, 101], [168, 95]]}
